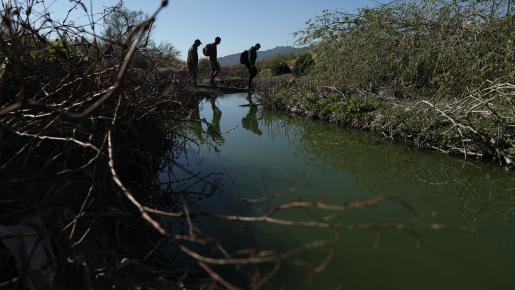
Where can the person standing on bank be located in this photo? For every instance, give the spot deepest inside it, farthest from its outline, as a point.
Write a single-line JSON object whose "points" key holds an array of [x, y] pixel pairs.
{"points": [[211, 51], [193, 61], [248, 58]]}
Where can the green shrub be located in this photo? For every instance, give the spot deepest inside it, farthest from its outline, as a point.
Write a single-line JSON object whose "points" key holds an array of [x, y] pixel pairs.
{"points": [[280, 68], [361, 106], [435, 48], [303, 64], [278, 65]]}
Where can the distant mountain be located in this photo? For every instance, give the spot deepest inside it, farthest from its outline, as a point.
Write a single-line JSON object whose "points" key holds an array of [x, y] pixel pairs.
{"points": [[262, 55]]}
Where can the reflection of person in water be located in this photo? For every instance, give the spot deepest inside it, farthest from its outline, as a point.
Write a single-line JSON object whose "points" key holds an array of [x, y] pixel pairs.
{"points": [[249, 98], [196, 125], [213, 129], [250, 121]]}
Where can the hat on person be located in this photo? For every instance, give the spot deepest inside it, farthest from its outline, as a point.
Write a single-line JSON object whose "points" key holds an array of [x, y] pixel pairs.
{"points": [[197, 41]]}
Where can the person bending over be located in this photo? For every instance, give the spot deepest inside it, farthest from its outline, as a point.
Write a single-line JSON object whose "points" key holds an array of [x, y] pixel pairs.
{"points": [[211, 51], [193, 61], [251, 63]]}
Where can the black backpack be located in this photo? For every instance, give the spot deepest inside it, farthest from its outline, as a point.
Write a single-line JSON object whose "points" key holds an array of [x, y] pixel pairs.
{"points": [[208, 50], [244, 57]]}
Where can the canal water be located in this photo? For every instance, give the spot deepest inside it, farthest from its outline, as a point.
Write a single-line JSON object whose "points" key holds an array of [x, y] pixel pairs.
{"points": [[457, 214]]}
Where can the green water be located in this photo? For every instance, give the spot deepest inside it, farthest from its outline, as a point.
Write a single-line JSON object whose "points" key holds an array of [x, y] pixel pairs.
{"points": [[275, 159]]}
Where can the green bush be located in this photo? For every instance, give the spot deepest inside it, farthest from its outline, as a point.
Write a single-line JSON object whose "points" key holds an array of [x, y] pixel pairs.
{"points": [[436, 48], [361, 106], [280, 68], [303, 64], [277, 65]]}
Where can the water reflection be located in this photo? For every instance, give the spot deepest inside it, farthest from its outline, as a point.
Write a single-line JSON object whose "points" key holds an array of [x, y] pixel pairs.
{"points": [[213, 128], [474, 188], [196, 124], [250, 121], [285, 158], [212, 134]]}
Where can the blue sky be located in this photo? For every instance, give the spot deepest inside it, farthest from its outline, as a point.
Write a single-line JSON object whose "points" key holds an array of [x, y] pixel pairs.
{"points": [[240, 23]]}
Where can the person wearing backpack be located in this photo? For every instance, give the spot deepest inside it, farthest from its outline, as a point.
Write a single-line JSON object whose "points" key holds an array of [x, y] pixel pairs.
{"points": [[211, 51], [193, 61], [248, 58]]}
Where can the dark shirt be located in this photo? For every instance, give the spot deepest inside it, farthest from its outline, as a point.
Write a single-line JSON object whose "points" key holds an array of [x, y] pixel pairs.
{"points": [[193, 55], [252, 55], [214, 52]]}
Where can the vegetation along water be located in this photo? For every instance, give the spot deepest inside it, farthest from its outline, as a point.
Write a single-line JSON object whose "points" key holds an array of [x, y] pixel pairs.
{"points": [[376, 154]]}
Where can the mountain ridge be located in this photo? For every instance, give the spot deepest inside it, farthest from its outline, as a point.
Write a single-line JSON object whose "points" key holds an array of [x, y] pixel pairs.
{"points": [[234, 59]]}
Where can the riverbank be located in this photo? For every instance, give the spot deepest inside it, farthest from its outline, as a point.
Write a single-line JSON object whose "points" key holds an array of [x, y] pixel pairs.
{"points": [[480, 126]]}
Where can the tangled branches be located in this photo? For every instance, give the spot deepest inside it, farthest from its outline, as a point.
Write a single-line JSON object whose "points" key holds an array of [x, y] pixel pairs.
{"points": [[62, 103], [481, 124], [87, 132]]}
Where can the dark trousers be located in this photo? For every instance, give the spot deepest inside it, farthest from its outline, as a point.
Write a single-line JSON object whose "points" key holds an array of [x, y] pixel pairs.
{"points": [[252, 72], [193, 71], [215, 69]]}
